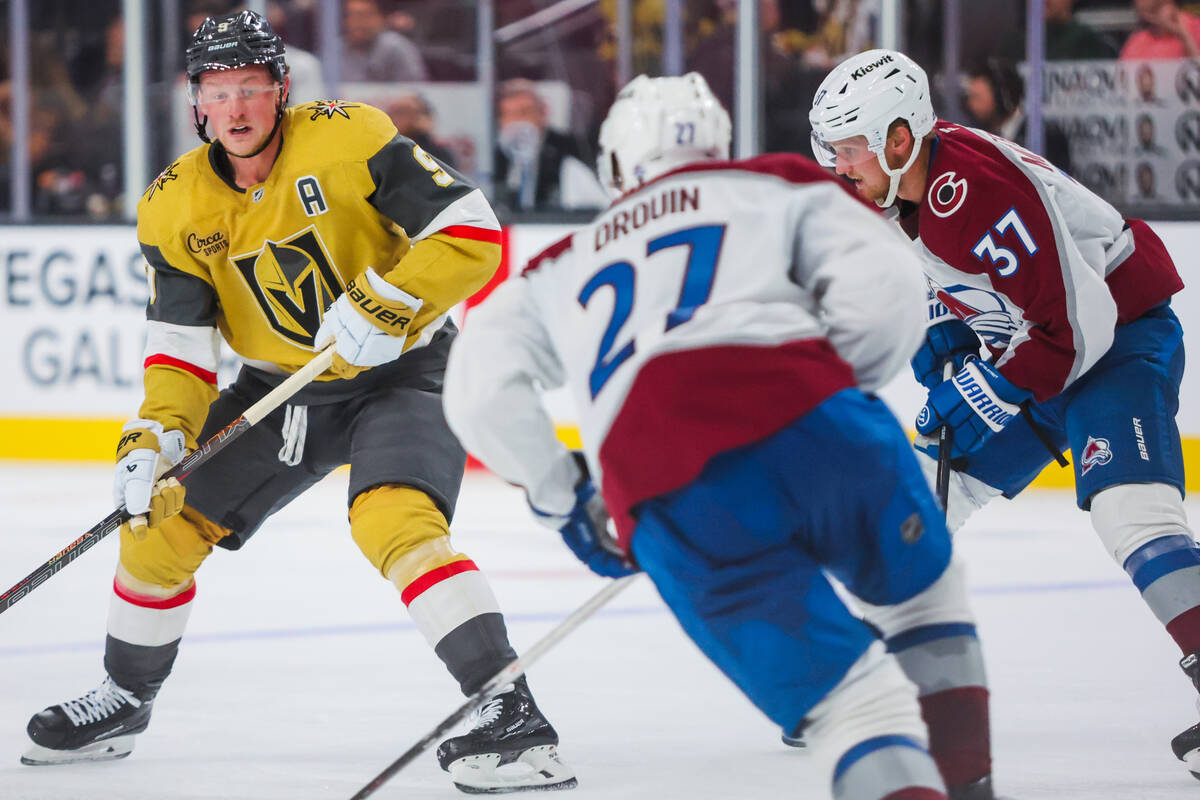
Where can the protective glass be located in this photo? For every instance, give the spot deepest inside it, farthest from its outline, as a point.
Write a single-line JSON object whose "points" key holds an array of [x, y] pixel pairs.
{"points": [[218, 96], [845, 152]]}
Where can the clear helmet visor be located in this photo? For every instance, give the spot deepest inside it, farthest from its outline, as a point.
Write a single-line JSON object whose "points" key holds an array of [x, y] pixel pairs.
{"points": [[218, 95], [846, 153]]}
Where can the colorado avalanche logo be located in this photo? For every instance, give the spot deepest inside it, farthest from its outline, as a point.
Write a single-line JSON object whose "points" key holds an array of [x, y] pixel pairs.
{"points": [[946, 195], [986, 312], [1096, 453]]}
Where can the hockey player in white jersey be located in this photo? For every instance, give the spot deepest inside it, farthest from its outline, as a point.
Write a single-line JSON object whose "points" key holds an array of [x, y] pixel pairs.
{"points": [[721, 328], [1069, 305]]}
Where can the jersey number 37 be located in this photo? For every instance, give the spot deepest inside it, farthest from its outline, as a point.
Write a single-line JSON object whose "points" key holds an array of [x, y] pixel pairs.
{"points": [[704, 248]]}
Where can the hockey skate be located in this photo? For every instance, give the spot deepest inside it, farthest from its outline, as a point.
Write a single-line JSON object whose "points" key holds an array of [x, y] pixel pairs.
{"points": [[510, 748], [1186, 746], [99, 726]]}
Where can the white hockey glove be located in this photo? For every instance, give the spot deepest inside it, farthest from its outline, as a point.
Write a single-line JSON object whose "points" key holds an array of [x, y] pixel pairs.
{"points": [[368, 324], [144, 453]]}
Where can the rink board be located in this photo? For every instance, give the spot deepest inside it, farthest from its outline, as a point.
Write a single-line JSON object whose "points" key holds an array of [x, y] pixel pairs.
{"points": [[72, 333]]}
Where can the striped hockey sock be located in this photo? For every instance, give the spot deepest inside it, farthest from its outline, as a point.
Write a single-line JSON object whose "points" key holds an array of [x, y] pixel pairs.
{"points": [[888, 767], [1166, 571], [143, 637], [454, 608], [946, 663]]}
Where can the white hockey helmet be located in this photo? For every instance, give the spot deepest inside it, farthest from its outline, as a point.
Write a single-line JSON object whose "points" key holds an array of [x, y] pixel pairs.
{"points": [[863, 96], [656, 125]]}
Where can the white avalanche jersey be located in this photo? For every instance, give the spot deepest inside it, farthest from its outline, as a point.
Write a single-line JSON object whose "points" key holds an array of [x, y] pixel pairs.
{"points": [[703, 312], [1040, 267]]}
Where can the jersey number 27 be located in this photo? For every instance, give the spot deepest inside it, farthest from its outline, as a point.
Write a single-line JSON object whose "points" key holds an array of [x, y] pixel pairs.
{"points": [[704, 248]]}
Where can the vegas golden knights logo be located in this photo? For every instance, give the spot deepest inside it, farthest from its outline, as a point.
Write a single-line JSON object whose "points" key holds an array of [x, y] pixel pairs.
{"points": [[293, 282]]}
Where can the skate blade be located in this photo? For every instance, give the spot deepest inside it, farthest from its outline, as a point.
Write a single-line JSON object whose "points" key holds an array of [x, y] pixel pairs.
{"points": [[536, 769], [106, 750], [1192, 760]]}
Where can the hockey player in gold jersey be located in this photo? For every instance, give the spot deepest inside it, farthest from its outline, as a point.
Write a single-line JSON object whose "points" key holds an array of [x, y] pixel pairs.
{"points": [[289, 230]]}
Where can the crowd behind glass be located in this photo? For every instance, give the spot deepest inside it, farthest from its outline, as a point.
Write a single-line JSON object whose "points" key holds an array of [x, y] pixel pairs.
{"points": [[417, 60]]}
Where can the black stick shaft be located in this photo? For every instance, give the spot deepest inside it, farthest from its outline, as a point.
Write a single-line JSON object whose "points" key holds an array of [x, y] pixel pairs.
{"points": [[945, 443]]}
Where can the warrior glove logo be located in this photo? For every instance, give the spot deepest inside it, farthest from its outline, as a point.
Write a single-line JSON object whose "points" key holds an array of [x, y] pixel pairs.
{"points": [[995, 412], [293, 281], [1096, 453]]}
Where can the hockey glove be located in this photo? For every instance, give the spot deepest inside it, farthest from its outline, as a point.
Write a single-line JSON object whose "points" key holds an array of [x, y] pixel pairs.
{"points": [[950, 341], [368, 324], [976, 403], [144, 453], [585, 530]]}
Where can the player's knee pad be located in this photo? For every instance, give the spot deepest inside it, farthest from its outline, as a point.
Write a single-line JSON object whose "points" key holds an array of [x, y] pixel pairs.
{"points": [[1129, 515], [966, 494], [401, 531], [873, 699], [944, 601], [169, 555]]}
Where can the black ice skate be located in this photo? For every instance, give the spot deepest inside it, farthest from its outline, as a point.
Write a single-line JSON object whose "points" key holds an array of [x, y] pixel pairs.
{"points": [[509, 731], [99, 726], [1186, 745]]}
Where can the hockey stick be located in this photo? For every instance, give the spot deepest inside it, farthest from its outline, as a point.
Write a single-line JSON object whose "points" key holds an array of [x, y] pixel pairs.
{"points": [[514, 670], [249, 418], [945, 442]]}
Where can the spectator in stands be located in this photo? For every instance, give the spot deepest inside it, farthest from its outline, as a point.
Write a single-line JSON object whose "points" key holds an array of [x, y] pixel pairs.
{"points": [[1168, 32], [994, 95], [371, 52], [1067, 39], [538, 168], [413, 117]]}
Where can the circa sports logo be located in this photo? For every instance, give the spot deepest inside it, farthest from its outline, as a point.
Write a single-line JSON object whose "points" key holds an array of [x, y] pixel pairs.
{"points": [[985, 312], [946, 195], [1096, 453], [212, 243], [293, 281], [327, 108]]}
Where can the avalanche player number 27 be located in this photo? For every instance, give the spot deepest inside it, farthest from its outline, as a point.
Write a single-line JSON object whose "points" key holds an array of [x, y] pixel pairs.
{"points": [[704, 244]]}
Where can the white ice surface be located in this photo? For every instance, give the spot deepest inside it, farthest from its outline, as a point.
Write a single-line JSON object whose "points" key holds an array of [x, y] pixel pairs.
{"points": [[301, 676]]}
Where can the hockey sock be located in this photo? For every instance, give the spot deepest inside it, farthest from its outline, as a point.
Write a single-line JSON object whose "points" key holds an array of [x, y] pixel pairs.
{"points": [[454, 608], [1166, 571], [887, 767], [144, 631], [1144, 527], [946, 663]]}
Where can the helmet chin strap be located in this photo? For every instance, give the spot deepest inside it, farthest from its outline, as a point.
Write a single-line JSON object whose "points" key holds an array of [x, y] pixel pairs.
{"points": [[896, 174]]}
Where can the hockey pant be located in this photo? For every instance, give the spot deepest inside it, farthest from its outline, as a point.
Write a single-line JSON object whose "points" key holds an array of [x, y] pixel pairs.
{"points": [[739, 556], [1119, 422]]}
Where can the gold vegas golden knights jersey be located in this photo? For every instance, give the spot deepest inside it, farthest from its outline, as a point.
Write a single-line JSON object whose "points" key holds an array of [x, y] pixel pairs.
{"points": [[261, 265]]}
